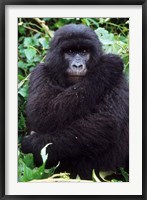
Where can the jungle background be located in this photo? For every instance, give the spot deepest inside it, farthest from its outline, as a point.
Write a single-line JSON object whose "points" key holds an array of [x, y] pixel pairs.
{"points": [[34, 35]]}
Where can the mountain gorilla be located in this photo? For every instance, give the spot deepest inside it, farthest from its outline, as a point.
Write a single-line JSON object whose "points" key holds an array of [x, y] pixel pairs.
{"points": [[78, 101]]}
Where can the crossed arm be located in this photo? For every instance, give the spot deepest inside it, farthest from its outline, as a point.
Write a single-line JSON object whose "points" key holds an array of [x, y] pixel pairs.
{"points": [[50, 107], [87, 136]]}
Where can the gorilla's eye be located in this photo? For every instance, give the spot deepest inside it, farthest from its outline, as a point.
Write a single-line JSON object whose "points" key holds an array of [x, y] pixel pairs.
{"points": [[84, 52], [70, 51]]}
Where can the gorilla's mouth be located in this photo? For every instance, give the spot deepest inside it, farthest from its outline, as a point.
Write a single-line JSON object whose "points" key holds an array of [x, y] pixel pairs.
{"points": [[76, 73]]}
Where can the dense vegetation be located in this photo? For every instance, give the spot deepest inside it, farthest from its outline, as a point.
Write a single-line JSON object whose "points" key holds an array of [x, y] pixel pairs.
{"points": [[34, 36]]}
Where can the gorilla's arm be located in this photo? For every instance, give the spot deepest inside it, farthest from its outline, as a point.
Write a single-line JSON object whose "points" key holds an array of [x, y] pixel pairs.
{"points": [[49, 106], [89, 135]]}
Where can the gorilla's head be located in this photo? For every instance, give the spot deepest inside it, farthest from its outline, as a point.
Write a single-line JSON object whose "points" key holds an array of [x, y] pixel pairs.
{"points": [[76, 49]]}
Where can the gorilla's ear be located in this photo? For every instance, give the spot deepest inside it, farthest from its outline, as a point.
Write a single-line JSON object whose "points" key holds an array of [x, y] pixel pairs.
{"points": [[113, 61]]}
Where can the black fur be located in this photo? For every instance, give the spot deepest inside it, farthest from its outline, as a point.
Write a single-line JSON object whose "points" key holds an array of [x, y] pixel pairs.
{"points": [[87, 123]]}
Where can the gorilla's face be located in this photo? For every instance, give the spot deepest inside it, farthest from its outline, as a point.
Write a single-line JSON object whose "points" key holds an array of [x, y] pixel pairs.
{"points": [[76, 51], [76, 60]]}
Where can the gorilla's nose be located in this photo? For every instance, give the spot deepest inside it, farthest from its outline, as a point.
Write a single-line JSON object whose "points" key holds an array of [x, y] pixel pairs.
{"points": [[77, 65]]}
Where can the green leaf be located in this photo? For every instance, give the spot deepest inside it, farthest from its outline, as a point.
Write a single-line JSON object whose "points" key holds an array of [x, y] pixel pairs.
{"points": [[126, 58], [30, 53], [38, 172], [21, 53], [43, 42], [27, 171], [20, 77], [86, 21], [27, 42], [21, 30], [35, 41], [21, 39], [125, 174], [21, 64], [104, 36], [19, 138], [24, 91], [21, 122], [24, 172], [29, 160], [93, 21], [37, 35], [49, 172], [37, 59]]}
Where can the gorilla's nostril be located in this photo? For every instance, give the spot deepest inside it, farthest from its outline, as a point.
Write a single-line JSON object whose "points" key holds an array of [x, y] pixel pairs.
{"points": [[77, 66], [80, 66]]}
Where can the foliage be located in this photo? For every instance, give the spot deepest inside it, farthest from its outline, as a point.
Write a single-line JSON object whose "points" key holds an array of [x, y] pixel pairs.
{"points": [[27, 170], [34, 35], [110, 176]]}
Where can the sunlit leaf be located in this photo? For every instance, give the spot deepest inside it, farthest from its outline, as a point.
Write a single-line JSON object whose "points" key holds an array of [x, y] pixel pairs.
{"points": [[104, 174], [94, 177], [43, 153], [30, 53]]}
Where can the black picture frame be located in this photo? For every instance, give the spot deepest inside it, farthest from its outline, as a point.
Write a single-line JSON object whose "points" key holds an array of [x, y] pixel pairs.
{"points": [[3, 3]]}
